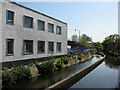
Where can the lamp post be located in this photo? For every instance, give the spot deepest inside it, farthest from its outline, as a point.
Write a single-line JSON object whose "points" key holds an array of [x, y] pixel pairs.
{"points": [[79, 33]]}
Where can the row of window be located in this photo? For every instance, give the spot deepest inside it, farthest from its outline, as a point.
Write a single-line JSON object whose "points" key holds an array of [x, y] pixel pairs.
{"points": [[28, 47], [28, 23]]}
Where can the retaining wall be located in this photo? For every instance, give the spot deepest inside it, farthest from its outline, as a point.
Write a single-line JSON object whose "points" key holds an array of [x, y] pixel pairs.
{"points": [[69, 81]]}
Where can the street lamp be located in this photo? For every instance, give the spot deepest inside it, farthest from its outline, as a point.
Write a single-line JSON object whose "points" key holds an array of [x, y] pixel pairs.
{"points": [[79, 33]]}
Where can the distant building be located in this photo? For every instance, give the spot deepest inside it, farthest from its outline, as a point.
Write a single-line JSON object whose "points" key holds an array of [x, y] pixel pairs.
{"points": [[27, 34]]}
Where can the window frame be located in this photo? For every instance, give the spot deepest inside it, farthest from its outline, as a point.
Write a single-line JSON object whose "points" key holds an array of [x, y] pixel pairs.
{"points": [[48, 47], [43, 25], [38, 47], [52, 28], [8, 23], [8, 54], [24, 48], [60, 30], [57, 47], [25, 26]]}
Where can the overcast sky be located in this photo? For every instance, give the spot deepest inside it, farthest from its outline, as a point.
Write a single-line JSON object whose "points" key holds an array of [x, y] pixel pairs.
{"points": [[96, 19]]}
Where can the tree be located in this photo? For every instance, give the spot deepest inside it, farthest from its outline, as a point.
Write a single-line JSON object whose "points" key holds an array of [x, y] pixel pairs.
{"points": [[111, 39], [86, 37], [75, 38], [99, 47]]}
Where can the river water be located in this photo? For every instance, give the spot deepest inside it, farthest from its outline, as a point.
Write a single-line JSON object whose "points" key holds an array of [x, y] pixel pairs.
{"points": [[104, 76]]}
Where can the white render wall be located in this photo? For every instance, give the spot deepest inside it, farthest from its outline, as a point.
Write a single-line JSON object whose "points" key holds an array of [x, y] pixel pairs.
{"points": [[19, 33], [0, 31]]}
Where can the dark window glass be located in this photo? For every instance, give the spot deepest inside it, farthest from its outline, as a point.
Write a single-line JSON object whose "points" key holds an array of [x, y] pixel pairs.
{"points": [[58, 46], [58, 30], [10, 46], [41, 46], [41, 25], [50, 47], [50, 28], [28, 46], [10, 17], [27, 22]]}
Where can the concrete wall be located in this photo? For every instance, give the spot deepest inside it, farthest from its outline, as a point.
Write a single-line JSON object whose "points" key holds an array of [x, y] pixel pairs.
{"points": [[71, 80], [19, 33], [0, 31]]}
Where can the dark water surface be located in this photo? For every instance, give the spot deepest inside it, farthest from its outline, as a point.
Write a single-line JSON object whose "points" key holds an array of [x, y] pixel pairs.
{"points": [[102, 76]]}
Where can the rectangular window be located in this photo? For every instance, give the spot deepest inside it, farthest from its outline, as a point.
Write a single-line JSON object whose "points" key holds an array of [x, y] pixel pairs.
{"points": [[41, 47], [41, 25], [50, 28], [27, 22], [28, 46], [58, 47], [10, 17], [58, 30], [10, 46], [50, 47]]}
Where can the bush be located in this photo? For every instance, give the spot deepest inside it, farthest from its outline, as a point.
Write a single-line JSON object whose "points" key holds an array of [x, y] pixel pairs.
{"points": [[93, 51], [16, 74], [60, 65], [46, 67], [7, 77], [64, 60], [21, 73], [69, 55], [79, 58]]}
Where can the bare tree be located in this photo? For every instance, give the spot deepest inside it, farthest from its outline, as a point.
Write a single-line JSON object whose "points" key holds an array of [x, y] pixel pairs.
{"points": [[75, 38]]}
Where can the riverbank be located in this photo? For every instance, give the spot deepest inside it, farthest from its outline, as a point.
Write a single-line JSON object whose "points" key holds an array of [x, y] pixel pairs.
{"points": [[59, 63], [69, 81]]}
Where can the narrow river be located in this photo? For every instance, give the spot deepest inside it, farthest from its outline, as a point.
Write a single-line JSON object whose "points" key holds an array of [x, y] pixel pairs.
{"points": [[102, 76]]}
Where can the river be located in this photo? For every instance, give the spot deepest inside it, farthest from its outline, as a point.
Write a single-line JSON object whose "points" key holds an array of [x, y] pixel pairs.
{"points": [[102, 76]]}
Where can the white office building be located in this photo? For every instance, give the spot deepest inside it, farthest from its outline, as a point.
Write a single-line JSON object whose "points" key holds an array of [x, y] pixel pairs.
{"points": [[28, 34]]}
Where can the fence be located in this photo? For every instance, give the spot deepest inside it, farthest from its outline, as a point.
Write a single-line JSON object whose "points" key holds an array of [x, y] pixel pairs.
{"points": [[78, 49]]}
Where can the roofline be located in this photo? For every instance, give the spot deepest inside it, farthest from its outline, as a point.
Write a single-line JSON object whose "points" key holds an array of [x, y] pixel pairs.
{"points": [[36, 11]]}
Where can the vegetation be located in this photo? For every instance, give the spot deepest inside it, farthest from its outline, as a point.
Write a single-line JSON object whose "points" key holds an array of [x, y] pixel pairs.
{"points": [[93, 51], [16, 74], [112, 45], [99, 47], [46, 67], [79, 58], [60, 64]]}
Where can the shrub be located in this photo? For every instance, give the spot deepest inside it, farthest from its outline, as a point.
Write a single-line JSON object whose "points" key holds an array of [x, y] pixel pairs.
{"points": [[46, 67], [60, 64], [15, 74], [79, 58], [21, 73], [69, 55], [7, 77], [64, 60]]}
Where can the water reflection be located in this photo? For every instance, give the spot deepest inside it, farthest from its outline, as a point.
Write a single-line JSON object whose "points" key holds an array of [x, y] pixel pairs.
{"points": [[106, 75]]}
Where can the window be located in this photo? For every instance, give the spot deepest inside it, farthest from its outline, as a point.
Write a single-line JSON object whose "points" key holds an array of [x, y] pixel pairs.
{"points": [[58, 47], [10, 46], [50, 47], [58, 30], [28, 46], [50, 28], [27, 22], [10, 17], [41, 25], [41, 46]]}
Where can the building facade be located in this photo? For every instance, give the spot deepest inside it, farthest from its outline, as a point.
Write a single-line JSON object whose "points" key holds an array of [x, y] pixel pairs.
{"points": [[28, 34]]}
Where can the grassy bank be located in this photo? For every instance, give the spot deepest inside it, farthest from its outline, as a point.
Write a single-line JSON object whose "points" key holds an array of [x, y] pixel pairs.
{"points": [[20, 73]]}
